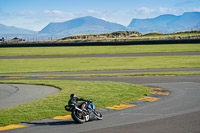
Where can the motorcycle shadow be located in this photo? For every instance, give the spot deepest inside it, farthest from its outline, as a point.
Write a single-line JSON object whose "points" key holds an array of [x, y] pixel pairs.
{"points": [[50, 123]]}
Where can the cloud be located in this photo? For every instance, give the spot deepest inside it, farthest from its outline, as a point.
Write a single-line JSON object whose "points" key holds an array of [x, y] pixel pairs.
{"points": [[47, 11], [26, 13], [146, 10], [91, 11], [58, 12], [55, 13], [196, 9], [164, 10]]}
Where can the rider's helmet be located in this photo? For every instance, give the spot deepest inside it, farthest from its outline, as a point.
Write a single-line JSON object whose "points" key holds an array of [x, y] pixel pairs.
{"points": [[72, 95]]}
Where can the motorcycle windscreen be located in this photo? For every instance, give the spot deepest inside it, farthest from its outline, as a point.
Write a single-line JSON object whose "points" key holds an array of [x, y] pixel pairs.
{"points": [[91, 106]]}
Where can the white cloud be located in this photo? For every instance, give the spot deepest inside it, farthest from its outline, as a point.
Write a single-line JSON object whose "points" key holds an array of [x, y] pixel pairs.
{"points": [[196, 9], [25, 13], [47, 11], [58, 12], [164, 10], [146, 10], [91, 11]]}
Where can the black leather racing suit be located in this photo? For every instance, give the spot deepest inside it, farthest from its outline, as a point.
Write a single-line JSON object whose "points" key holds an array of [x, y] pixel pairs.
{"points": [[75, 100]]}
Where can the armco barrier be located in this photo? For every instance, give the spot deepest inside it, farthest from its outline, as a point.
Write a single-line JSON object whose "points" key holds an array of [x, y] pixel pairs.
{"points": [[114, 43]]}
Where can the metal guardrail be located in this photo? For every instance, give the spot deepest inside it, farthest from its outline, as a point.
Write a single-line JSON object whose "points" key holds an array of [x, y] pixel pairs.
{"points": [[113, 43]]}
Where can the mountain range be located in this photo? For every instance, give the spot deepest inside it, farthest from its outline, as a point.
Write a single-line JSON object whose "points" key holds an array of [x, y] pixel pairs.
{"points": [[90, 25], [83, 25], [14, 30], [167, 23]]}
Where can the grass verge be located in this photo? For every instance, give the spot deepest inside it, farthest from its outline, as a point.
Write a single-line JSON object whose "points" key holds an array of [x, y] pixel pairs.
{"points": [[102, 94], [87, 64], [28, 51]]}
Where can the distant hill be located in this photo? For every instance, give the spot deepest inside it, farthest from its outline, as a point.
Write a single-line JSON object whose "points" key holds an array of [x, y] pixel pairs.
{"points": [[14, 30], [83, 25], [167, 23]]}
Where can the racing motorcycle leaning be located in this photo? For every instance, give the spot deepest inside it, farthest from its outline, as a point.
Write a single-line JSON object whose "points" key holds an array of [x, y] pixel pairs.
{"points": [[85, 112]]}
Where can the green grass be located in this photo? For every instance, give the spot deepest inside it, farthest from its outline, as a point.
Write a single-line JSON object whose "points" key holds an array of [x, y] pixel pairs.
{"points": [[86, 64], [103, 94], [28, 51]]}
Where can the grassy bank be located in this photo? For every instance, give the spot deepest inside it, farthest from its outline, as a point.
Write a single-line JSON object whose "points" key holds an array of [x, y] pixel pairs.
{"points": [[86, 64], [28, 51], [102, 94]]}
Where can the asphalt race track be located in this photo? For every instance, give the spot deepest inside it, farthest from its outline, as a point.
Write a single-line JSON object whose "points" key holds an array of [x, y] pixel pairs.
{"points": [[176, 113], [14, 94]]}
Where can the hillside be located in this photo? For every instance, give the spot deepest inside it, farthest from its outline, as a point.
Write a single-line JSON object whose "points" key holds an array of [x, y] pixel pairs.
{"points": [[84, 25], [167, 23]]}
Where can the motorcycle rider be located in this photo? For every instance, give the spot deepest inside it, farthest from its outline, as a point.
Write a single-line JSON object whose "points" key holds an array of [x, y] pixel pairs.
{"points": [[82, 112], [74, 100]]}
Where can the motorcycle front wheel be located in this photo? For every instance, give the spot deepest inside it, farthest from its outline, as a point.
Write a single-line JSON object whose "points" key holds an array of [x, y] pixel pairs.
{"points": [[98, 115], [77, 116]]}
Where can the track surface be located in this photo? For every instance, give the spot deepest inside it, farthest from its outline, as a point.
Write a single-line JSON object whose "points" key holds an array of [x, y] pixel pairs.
{"points": [[14, 94], [177, 113]]}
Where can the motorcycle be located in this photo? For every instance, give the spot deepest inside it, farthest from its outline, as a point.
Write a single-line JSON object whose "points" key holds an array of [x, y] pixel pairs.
{"points": [[85, 112]]}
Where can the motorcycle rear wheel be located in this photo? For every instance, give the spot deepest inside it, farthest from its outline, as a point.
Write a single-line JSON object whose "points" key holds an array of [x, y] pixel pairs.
{"points": [[77, 116]]}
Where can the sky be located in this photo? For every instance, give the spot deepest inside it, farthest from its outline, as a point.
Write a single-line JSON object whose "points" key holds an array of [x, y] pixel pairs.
{"points": [[36, 14]]}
